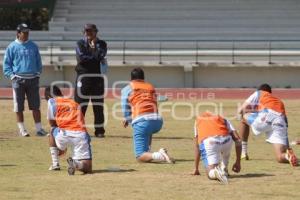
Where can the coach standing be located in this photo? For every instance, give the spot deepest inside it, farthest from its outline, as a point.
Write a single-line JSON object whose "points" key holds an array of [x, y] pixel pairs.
{"points": [[91, 64], [22, 65]]}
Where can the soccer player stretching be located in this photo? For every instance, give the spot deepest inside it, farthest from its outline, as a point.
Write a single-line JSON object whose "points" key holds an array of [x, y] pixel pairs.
{"points": [[139, 106], [67, 128]]}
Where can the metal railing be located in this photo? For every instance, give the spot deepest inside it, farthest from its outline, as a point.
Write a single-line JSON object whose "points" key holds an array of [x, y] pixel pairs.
{"points": [[228, 51]]}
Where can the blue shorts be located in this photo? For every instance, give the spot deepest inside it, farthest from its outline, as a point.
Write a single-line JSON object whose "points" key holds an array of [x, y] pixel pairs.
{"points": [[142, 132]]}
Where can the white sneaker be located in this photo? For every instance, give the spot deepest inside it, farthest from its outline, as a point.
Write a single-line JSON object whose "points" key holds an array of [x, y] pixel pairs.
{"points": [[168, 159], [220, 175], [54, 168], [244, 156], [24, 133], [224, 169], [71, 167]]}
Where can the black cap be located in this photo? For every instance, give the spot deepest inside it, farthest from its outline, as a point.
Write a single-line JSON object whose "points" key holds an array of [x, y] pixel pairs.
{"points": [[90, 27], [23, 28]]}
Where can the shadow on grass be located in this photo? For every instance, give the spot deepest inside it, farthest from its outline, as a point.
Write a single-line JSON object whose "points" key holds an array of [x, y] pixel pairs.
{"points": [[119, 136], [113, 170], [7, 138], [184, 160], [154, 138], [8, 165], [173, 138], [250, 175]]}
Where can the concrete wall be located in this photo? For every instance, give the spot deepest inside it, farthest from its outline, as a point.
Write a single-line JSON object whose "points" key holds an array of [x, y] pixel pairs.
{"points": [[175, 76], [243, 76]]}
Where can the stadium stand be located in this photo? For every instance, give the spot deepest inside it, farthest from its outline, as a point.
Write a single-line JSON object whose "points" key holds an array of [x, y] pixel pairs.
{"points": [[183, 20], [176, 33]]}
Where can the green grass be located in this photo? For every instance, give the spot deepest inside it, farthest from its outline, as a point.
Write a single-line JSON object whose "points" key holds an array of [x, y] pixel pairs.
{"points": [[24, 163]]}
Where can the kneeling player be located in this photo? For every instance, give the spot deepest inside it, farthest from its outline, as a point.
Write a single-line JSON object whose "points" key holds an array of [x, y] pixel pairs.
{"points": [[67, 128], [213, 142], [265, 113], [139, 106]]}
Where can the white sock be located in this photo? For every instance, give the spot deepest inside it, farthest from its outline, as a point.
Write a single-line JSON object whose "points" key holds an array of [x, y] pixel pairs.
{"points": [[244, 147], [21, 126], [78, 164], [223, 166], [38, 126], [211, 174], [286, 156], [54, 156], [157, 156]]}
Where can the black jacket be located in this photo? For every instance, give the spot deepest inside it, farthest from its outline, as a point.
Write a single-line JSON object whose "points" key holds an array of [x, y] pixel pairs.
{"points": [[88, 59]]}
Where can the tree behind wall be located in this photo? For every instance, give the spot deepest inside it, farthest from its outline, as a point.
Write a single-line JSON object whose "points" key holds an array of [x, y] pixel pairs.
{"points": [[36, 18]]}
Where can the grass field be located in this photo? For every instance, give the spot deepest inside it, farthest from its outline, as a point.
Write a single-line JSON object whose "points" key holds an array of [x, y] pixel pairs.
{"points": [[24, 162]]}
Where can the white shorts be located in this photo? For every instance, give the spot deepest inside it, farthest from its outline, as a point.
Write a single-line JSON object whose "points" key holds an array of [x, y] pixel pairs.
{"points": [[271, 123], [213, 149], [79, 142]]}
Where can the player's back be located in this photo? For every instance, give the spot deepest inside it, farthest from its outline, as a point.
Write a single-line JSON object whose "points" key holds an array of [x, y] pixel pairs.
{"points": [[142, 98], [69, 115], [209, 125], [267, 100]]}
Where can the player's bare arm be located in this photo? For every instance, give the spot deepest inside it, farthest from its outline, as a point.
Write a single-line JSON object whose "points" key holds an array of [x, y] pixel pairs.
{"points": [[238, 149], [197, 157]]}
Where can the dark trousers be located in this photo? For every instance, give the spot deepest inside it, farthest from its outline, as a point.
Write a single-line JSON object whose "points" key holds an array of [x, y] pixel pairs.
{"points": [[91, 88]]}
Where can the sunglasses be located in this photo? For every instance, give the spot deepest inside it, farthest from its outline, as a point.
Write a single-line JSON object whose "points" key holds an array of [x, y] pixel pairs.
{"points": [[89, 30]]}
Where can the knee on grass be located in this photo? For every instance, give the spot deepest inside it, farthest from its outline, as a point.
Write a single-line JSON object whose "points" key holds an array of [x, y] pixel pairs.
{"points": [[84, 166], [281, 158]]}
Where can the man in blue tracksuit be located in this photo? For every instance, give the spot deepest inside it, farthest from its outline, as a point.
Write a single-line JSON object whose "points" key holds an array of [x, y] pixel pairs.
{"points": [[22, 65]]}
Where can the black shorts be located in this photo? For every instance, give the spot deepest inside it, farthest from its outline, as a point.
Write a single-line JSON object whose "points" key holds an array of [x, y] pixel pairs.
{"points": [[28, 87]]}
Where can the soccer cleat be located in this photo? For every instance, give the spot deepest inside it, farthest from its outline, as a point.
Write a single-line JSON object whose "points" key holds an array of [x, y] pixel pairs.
{"points": [[244, 156], [168, 159], [220, 175], [54, 168], [41, 132], [24, 133], [292, 157], [71, 167]]}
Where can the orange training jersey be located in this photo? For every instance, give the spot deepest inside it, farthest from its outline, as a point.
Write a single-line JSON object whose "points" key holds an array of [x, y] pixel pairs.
{"points": [[68, 115], [266, 100], [209, 125], [142, 98]]}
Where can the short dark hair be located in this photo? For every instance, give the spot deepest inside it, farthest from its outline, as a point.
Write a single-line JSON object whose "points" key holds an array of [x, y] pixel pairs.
{"points": [[52, 91], [137, 74], [265, 87], [92, 27]]}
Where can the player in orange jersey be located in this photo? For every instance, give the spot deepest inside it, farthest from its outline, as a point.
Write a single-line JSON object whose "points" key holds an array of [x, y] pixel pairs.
{"points": [[265, 113], [67, 128], [214, 136], [139, 106]]}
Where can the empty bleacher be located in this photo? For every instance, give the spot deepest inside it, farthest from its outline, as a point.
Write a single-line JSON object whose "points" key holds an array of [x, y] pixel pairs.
{"points": [[181, 20], [175, 32], [211, 22]]}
